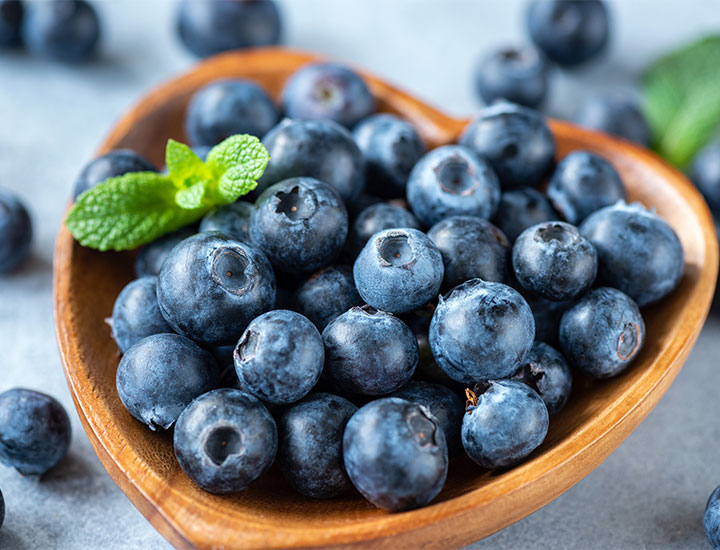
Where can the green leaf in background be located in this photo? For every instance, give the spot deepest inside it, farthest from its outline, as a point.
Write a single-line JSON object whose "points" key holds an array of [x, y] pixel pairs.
{"points": [[136, 208], [682, 99]]}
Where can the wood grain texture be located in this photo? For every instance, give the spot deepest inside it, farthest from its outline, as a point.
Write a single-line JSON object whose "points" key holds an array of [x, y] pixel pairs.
{"points": [[474, 502]]}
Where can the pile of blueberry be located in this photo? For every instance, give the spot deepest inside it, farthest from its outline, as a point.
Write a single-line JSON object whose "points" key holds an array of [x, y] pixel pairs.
{"points": [[380, 308]]}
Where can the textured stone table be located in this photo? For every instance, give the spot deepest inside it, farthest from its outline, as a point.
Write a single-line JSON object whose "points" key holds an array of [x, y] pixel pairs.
{"points": [[649, 494]]}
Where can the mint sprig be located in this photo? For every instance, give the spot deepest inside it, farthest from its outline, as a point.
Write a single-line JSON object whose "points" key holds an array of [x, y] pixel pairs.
{"points": [[136, 208], [682, 99]]}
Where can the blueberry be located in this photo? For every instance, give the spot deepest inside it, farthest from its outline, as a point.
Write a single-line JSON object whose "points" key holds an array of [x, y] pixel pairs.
{"points": [[444, 404], [62, 30], [232, 219], [508, 422], [110, 165], [152, 255], [516, 141], [310, 445], [554, 260], [224, 440], [518, 74], [279, 357], [300, 223], [160, 375], [327, 294], [317, 149], [369, 352], [34, 431], [327, 91], [136, 313], [705, 174], [602, 333], [207, 27], [361, 203], [391, 147], [11, 14], [15, 232], [395, 454], [378, 217], [519, 209], [638, 252], [711, 519], [211, 286], [582, 183], [227, 107], [452, 181], [616, 114], [2, 500], [471, 248], [547, 315], [398, 270], [481, 331], [546, 371], [569, 32]]}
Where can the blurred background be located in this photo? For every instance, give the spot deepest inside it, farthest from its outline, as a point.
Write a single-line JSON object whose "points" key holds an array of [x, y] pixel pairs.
{"points": [[649, 494]]}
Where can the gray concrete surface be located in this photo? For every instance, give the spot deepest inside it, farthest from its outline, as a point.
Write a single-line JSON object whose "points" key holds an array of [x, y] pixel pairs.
{"points": [[649, 494]]}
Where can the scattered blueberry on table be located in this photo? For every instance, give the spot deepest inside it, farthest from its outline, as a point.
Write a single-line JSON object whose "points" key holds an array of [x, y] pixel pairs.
{"points": [[615, 113], [711, 519], [16, 232], [11, 14]]}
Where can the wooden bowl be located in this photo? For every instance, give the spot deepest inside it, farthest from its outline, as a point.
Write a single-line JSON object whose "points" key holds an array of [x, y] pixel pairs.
{"points": [[474, 502]]}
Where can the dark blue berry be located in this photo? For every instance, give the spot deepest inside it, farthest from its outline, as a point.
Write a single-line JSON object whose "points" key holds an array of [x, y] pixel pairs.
{"points": [[11, 14], [711, 519], [398, 270], [327, 294], [616, 114], [554, 260], [228, 107], [481, 331], [391, 147], [152, 255], [16, 232], [516, 141], [638, 252], [224, 440], [546, 371], [62, 30], [34, 431], [705, 174], [602, 333], [327, 91], [211, 286], [519, 209], [207, 27], [395, 454], [136, 313], [582, 183], [547, 314], [279, 357], [232, 219], [376, 218], [310, 445], [160, 375], [569, 32], [452, 181], [300, 223], [443, 403], [518, 74], [471, 248], [318, 149], [369, 352], [508, 422], [110, 165]]}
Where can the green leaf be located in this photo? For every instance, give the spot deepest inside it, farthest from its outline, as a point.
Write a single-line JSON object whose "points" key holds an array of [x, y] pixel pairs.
{"points": [[127, 211], [184, 166], [238, 162], [682, 99]]}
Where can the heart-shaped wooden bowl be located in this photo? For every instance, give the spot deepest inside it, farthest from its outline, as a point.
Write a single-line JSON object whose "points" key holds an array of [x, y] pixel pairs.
{"points": [[474, 503]]}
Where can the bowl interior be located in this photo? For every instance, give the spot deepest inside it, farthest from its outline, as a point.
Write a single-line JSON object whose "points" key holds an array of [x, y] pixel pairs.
{"points": [[143, 464]]}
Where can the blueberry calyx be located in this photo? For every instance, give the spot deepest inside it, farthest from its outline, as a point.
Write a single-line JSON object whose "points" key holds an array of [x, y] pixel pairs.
{"points": [[296, 204], [228, 270], [395, 250], [247, 346], [532, 375], [423, 427], [629, 341], [456, 177], [221, 443]]}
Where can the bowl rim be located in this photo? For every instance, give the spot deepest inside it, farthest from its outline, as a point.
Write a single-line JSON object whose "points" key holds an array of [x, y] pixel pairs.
{"points": [[541, 479]]}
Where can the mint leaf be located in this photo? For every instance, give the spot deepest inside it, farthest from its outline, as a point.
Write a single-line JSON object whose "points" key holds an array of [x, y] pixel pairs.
{"points": [[682, 99], [238, 162], [127, 211], [136, 208]]}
